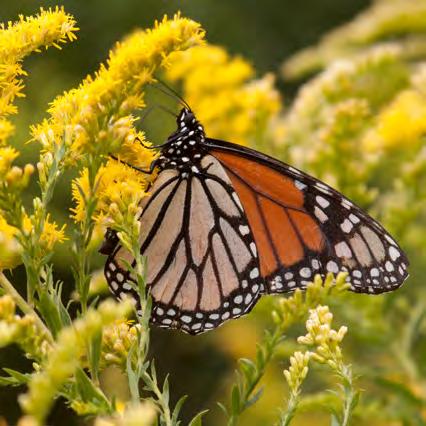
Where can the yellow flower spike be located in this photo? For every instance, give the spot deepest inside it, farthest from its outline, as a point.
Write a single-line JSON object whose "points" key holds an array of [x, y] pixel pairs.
{"points": [[7, 156], [19, 39], [325, 339], [47, 28], [110, 96], [297, 371]]}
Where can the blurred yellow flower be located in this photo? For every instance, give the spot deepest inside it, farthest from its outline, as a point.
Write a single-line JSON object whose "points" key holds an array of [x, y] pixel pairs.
{"points": [[222, 92], [65, 356], [401, 122], [117, 339], [97, 116], [10, 249]]}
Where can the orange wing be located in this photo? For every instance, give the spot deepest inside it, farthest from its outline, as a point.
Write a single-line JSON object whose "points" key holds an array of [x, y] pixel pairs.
{"points": [[274, 207]]}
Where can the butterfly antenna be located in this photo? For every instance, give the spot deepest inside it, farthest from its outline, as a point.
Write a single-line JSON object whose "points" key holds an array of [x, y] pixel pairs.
{"points": [[171, 92]]}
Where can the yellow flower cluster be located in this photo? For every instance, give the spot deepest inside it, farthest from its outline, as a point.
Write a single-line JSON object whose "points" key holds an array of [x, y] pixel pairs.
{"points": [[19, 39], [97, 116], [323, 337], [65, 356], [11, 249], [298, 370], [21, 330], [401, 122], [118, 186], [223, 94], [117, 339], [50, 235]]}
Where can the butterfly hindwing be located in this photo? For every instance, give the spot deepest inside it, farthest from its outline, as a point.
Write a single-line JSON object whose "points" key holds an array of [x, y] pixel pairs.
{"points": [[302, 226], [202, 265]]}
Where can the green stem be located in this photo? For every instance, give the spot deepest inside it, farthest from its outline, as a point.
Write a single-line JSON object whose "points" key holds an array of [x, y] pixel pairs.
{"points": [[345, 372], [164, 406], [246, 389], [23, 305], [293, 402]]}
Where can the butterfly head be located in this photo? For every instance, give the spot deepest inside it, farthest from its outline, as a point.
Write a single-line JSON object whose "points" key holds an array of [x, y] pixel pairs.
{"points": [[187, 121], [184, 148]]}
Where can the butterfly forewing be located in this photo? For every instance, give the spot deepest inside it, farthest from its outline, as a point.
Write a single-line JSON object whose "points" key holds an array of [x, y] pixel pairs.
{"points": [[202, 265], [303, 227]]}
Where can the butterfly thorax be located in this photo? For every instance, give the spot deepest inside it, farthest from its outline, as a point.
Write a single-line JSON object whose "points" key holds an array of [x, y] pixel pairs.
{"points": [[184, 147]]}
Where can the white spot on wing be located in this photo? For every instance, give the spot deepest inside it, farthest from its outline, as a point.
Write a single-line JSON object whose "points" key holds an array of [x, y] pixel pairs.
{"points": [[299, 185], [346, 226], [321, 216], [394, 253], [322, 201], [343, 250], [332, 267]]}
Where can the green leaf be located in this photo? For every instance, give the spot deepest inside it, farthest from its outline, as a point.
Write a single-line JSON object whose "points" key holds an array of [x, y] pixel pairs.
{"points": [[235, 399], [196, 421], [89, 392], [248, 368], [404, 392], [166, 392], [49, 311], [177, 409], [223, 408], [132, 377], [95, 352], [15, 378]]}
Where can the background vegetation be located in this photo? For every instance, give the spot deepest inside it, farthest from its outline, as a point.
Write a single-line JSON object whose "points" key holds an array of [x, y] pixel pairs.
{"points": [[353, 113]]}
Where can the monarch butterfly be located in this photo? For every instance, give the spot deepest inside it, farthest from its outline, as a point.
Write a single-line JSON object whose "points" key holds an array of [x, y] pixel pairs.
{"points": [[226, 224]]}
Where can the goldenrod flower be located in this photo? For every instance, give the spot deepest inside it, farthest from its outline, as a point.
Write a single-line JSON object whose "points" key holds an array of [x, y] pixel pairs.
{"points": [[117, 184], [29, 34], [97, 117], [298, 370], [50, 235], [400, 123], [325, 340], [19, 39], [117, 339], [21, 330], [229, 103]]}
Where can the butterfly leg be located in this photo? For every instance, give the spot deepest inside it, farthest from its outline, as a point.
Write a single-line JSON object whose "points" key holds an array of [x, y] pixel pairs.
{"points": [[148, 172]]}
